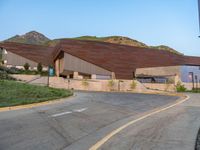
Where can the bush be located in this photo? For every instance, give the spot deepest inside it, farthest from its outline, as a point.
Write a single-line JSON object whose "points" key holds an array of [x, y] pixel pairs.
{"points": [[39, 67], [85, 83], [5, 76], [111, 84], [133, 85], [180, 87], [11, 70], [26, 66]]}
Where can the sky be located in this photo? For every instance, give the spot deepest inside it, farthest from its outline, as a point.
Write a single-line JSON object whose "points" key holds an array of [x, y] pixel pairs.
{"points": [[155, 22]]}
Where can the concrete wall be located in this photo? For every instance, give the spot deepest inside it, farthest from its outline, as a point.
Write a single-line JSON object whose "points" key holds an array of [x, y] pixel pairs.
{"points": [[93, 85], [159, 71], [75, 64], [160, 87]]}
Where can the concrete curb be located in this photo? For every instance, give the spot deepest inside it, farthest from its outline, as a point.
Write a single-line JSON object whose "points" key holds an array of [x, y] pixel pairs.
{"points": [[50, 102], [132, 92], [64, 99]]}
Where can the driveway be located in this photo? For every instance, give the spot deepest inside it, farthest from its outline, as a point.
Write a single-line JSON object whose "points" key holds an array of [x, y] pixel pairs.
{"points": [[86, 118]]}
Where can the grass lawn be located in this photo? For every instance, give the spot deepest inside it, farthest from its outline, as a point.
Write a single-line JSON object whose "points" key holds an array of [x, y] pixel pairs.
{"points": [[14, 93]]}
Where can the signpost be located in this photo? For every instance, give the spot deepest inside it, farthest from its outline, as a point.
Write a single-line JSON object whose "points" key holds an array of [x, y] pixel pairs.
{"points": [[50, 74]]}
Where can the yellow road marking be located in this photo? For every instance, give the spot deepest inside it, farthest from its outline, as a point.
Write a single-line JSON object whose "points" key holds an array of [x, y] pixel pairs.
{"points": [[110, 135]]}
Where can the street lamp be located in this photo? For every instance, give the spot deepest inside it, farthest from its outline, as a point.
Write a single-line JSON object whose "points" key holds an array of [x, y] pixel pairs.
{"points": [[191, 76], [199, 14]]}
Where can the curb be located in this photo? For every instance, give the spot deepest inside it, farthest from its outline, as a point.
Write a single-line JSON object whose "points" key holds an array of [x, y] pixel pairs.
{"points": [[26, 106]]}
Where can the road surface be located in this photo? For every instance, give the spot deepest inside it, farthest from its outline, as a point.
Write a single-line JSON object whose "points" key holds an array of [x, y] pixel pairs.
{"points": [[86, 118]]}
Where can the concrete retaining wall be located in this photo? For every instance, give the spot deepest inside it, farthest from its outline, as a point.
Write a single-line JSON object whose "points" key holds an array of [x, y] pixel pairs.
{"points": [[98, 85], [161, 87], [79, 84]]}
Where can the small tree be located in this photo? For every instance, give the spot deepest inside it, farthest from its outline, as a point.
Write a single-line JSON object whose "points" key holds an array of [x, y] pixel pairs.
{"points": [[133, 85], [26, 66], [111, 84], [180, 87], [39, 67]]}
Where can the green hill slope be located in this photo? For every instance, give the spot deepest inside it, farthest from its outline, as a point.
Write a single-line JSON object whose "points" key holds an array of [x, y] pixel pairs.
{"points": [[34, 37]]}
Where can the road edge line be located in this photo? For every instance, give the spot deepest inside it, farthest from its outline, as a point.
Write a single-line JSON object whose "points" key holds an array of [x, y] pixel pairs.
{"points": [[114, 132]]}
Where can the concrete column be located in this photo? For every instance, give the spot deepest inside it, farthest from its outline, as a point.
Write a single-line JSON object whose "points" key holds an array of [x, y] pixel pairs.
{"points": [[57, 68], [75, 75], [176, 79], [94, 76], [113, 75]]}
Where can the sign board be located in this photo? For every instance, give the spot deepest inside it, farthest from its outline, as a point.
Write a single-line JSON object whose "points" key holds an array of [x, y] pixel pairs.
{"points": [[51, 71]]}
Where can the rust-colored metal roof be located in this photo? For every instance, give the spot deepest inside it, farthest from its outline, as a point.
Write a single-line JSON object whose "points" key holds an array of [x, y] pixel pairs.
{"points": [[121, 59], [36, 53], [191, 60]]}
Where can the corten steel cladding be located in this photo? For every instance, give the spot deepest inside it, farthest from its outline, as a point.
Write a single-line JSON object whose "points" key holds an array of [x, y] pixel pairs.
{"points": [[120, 59]]}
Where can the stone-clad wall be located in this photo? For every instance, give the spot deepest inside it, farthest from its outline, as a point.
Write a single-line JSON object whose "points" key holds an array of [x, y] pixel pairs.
{"points": [[78, 84]]}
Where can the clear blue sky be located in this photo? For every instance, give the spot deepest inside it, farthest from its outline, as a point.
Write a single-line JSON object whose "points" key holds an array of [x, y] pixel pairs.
{"points": [[154, 22]]}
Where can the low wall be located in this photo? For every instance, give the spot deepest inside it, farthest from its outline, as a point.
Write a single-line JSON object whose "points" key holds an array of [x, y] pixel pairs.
{"points": [[161, 87], [78, 84], [189, 86], [95, 85]]}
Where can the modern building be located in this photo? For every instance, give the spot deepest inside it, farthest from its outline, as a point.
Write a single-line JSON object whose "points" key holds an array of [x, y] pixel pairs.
{"points": [[100, 60], [16, 55]]}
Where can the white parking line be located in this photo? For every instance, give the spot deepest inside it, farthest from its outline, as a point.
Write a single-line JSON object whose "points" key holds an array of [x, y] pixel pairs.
{"points": [[60, 114], [69, 112], [80, 110]]}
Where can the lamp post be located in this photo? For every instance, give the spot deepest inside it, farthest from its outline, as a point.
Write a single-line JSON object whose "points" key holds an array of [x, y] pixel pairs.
{"points": [[191, 76], [196, 80], [199, 14]]}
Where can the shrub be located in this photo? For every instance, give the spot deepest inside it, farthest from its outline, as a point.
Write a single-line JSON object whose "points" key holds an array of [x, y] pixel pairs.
{"points": [[11, 70], [85, 83], [111, 84], [133, 85], [26, 66], [180, 87], [4, 76], [39, 67]]}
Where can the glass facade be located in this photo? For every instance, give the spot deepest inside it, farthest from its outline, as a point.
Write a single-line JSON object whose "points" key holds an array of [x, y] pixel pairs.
{"points": [[189, 73]]}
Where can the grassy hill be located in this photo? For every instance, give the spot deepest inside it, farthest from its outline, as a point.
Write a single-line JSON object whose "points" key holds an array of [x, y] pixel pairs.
{"points": [[34, 37]]}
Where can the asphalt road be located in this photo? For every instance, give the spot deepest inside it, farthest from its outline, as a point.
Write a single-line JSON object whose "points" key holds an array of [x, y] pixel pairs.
{"points": [[86, 118]]}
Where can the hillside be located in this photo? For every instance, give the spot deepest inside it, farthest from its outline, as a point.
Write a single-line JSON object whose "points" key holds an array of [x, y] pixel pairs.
{"points": [[118, 40], [34, 37]]}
